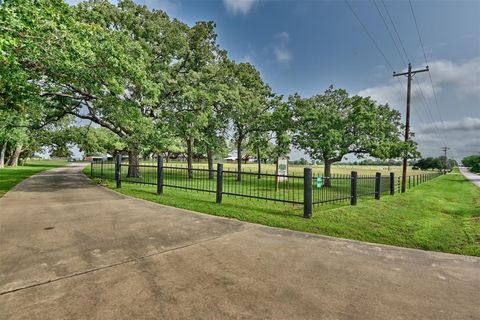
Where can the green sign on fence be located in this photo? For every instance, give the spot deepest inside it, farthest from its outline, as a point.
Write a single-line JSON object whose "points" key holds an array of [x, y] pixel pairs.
{"points": [[319, 182]]}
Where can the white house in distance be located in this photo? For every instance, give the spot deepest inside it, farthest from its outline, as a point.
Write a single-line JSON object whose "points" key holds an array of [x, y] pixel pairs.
{"points": [[234, 159]]}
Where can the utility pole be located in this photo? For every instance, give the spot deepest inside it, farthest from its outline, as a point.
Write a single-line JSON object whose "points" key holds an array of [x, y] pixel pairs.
{"points": [[410, 73], [444, 149]]}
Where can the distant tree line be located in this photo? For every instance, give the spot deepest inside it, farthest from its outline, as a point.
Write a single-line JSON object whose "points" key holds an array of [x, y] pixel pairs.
{"points": [[438, 163], [473, 162]]}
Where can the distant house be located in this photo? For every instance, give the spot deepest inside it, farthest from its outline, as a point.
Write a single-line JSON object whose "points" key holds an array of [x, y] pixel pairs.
{"points": [[230, 159], [98, 158], [234, 159]]}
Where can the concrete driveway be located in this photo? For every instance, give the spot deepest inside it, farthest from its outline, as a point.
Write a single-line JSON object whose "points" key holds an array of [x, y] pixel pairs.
{"points": [[72, 250]]}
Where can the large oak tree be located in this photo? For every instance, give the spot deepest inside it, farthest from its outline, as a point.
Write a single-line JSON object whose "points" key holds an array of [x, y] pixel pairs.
{"points": [[329, 126]]}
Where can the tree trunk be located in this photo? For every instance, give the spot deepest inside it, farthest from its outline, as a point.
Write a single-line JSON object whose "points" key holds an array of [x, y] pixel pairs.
{"points": [[167, 157], [211, 174], [133, 162], [327, 173], [239, 158], [16, 155], [259, 162], [2, 154], [189, 157]]}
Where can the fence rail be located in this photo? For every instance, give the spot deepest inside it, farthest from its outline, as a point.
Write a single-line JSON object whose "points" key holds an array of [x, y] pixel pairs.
{"points": [[308, 189]]}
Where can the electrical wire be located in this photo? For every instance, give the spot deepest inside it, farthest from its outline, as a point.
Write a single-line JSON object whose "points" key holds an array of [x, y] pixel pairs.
{"points": [[426, 62], [389, 32], [395, 29], [369, 34]]}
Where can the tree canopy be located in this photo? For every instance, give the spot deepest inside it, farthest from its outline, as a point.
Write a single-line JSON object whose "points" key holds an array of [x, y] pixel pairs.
{"points": [[122, 78], [331, 125]]}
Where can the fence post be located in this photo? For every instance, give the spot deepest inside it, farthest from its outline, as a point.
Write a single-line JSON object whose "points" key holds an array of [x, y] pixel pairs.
{"points": [[378, 181], [353, 188], [219, 182], [392, 183], [101, 171], [91, 169], [159, 174], [409, 184], [307, 193], [118, 170]]}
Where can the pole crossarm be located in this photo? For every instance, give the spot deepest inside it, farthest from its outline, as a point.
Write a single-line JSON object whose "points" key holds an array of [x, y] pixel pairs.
{"points": [[412, 73]]}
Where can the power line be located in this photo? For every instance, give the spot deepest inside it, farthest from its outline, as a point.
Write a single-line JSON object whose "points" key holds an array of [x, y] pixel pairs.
{"points": [[376, 45], [397, 49], [426, 62], [372, 39], [424, 101], [389, 32], [429, 113], [425, 57], [418, 31], [369, 34], [395, 29], [425, 105]]}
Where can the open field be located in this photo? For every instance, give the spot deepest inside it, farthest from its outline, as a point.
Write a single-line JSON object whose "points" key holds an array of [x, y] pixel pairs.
{"points": [[298, 169], [10, 177], [440, 215]]}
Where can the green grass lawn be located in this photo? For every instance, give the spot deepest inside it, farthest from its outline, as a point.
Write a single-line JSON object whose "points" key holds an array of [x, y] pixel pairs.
{"points": [[440, 215], [10, 177]]}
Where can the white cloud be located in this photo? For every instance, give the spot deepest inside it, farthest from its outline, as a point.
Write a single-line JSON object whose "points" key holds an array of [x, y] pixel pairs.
{"points": [[457, 85], [461, 135], [283, 36], [464, 125], [282, 55], [280, 50], [239, 6], [463, 78]]}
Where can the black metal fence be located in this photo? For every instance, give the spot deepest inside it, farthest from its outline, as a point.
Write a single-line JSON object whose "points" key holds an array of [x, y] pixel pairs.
{"points": [[308, 189]]}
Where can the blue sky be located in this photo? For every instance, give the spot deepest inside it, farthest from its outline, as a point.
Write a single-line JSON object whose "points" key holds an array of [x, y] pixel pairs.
{"points": [[304, 46]]}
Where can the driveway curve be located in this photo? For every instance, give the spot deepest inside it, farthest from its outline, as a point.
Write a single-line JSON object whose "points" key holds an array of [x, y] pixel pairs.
{"points": [[70, 249]]}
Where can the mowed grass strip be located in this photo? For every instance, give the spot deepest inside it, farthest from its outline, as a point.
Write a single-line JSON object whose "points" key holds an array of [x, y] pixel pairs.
{"points": [[11, 176], [442, 214]]}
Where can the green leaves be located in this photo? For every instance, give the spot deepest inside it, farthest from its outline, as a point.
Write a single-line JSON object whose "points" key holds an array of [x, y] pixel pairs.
{"points": [[149, 80], [331, 125]]}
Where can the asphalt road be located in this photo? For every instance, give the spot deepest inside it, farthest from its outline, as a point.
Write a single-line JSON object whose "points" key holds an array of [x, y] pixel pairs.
{"points": [[474, 178], [72, 250]]}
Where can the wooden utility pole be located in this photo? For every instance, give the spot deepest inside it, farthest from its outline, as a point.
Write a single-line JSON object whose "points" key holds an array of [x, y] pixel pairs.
{"points": [[444, 149], [410, 73]]}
